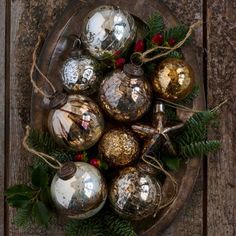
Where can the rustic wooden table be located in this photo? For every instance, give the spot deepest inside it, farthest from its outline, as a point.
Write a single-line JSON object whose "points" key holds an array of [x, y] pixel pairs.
{"points": [[211, 208]]}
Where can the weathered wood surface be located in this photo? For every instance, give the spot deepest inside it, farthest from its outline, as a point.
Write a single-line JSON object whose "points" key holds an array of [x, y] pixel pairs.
{"points": [[2, 113], [221, 48], [27, 18]]}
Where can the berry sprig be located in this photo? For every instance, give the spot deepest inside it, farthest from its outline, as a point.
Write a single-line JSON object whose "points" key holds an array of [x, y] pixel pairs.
{"points": [[83, 156]]}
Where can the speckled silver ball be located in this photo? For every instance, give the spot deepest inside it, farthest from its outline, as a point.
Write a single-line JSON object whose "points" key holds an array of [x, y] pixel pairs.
{"points": [[80, 75], [81, 196], [108, 29]]}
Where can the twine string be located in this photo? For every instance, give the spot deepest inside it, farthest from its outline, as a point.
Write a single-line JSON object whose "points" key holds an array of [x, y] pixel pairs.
{"points": [[51, 161], [184, 108], [144, 56], [146, 158], [35, 66]]}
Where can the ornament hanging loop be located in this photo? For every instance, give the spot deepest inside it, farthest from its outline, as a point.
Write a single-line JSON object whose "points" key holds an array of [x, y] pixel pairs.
{"points": [[35, 66], [150, 160], [137, 59], [51, 161]]}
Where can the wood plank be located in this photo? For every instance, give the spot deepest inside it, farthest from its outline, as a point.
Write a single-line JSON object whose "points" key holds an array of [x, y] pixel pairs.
{"points": [[222, 84], [2, 112], [28, 19], [190, 219]]}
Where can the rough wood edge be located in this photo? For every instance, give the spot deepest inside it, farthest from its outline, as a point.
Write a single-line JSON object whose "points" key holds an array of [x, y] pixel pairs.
{"points": [[2, 113]]}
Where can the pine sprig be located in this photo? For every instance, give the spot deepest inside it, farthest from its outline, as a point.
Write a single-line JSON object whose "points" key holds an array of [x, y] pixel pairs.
{"points": [[155, 24], [104, 223], [199, 148], [178, 33], [195, 128]]}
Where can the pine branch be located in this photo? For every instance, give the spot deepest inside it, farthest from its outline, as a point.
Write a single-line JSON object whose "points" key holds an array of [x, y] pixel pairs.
{"points": [[155, 24], [119, 226], [195, 128], [175, 54], [178, 33], [199, 148]]}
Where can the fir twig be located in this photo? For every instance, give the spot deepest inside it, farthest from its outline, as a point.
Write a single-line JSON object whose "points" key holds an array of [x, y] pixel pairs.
{"points": [[199, 148]]}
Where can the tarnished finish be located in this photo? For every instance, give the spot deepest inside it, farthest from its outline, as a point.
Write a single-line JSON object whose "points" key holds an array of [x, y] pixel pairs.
{"points": [[79, 74], [119, 147], [135, 194], [173, 79], [125, 97], [82, 195], [158, 135], [108, 29], [78, 124], [67, 171]]}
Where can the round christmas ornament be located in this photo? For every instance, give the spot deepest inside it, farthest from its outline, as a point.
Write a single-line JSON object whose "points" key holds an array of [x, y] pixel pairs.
{"points": [[108, 29], [79, 74], [125, 95], [136, 193], [75, 121], [173, 79], [119, 147], [78, 190]]}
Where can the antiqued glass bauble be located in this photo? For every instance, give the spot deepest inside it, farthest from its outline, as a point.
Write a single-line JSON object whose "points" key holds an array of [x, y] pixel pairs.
{"points": [[80, 74], [82, 193], [125, 95], [108, 29], [135, 193], [173, 79], [119, 147], [77, 124]]}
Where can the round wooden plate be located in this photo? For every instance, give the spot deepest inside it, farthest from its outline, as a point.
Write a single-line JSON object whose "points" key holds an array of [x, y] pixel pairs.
{"points": [[49, 62]]}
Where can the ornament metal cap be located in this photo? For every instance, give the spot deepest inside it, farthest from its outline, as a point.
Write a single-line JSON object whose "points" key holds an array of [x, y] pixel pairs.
{"points": [[67, 171], [144, 167], [58, 100], [133, 70], [159, 107]]}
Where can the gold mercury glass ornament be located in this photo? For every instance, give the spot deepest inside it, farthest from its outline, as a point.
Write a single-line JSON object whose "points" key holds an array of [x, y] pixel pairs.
{"points": [[75, 121], [78, 190], [173, 79], [136, 193], [119, 147], [108, 29], [125, 95]]}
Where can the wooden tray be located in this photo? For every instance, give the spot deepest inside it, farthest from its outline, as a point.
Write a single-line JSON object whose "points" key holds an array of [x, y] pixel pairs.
{"points": [[49, 61]]}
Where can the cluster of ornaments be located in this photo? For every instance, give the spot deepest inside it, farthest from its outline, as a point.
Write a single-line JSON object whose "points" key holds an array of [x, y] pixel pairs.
{"points": [[77, 121]]}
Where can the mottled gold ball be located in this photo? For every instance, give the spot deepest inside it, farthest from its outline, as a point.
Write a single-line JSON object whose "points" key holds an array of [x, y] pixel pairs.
{"points": [[125, 95], [119, 147], [173, 79]]}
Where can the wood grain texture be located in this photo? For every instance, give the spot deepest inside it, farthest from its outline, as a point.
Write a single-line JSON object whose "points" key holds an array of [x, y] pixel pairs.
{"points": [[2, 112], [189, 220], [28, 19], [222, 84]]}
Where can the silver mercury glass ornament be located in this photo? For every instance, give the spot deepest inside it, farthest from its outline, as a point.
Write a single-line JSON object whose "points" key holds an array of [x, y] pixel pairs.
{"points": [[108, 29], [136, 193], [78, 190], [80, 74]]}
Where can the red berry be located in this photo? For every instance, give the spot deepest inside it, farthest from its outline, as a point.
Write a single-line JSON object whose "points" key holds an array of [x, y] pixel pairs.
{"points": [[79, 157], [95, 162], [139, 46], [120, 63], [171, 42], [158, 39]]}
